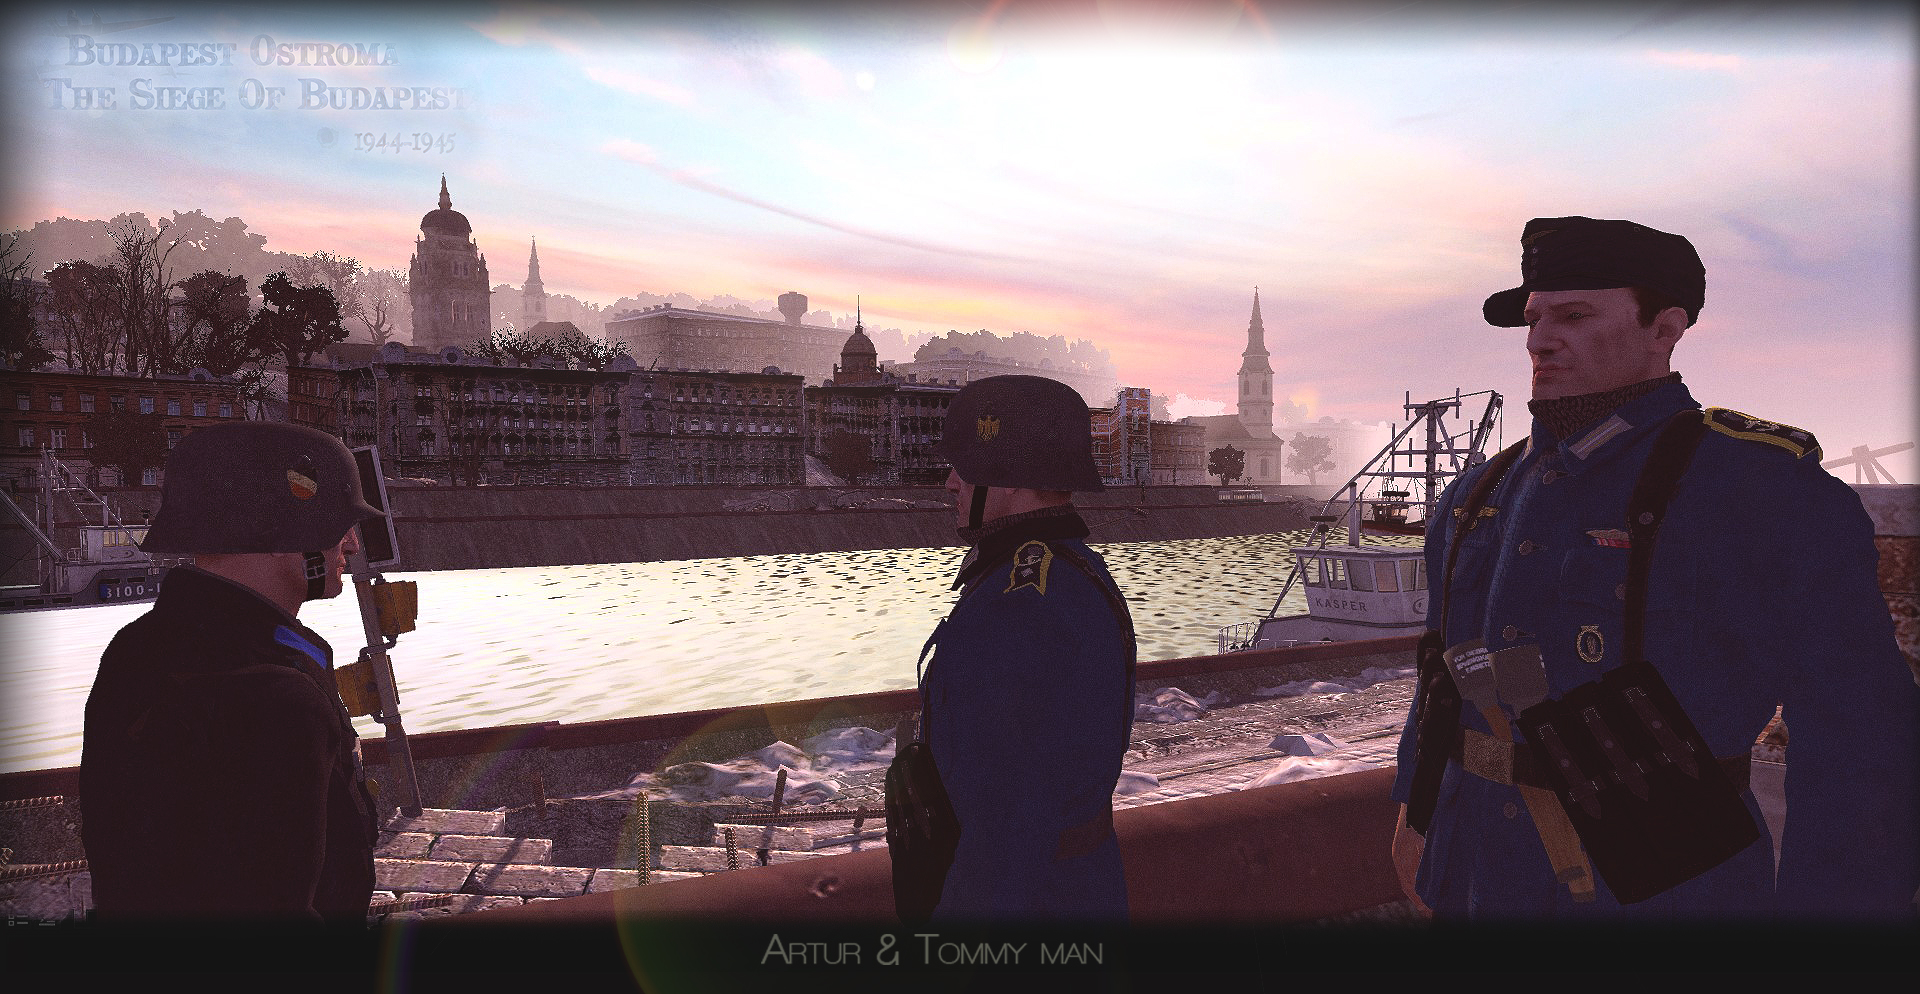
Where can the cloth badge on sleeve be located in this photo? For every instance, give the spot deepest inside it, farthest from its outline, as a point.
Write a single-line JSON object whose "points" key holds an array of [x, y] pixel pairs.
{"points": [[1030, 565], [1610, 538]]}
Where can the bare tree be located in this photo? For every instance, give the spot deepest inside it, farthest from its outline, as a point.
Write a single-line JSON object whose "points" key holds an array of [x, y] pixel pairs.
{"points": [[84, 309], [20, 343], [380, 299], [143, 302]]}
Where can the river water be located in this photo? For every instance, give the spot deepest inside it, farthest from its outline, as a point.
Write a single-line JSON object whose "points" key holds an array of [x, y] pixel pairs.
{"points": [[582, 643]]}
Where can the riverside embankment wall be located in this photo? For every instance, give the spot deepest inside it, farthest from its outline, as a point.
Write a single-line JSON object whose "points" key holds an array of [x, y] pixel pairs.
{"points": [[468, 528]]}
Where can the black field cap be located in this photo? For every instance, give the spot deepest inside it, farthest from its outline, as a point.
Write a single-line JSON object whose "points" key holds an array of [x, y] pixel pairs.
{"points": [[1581, 253]]}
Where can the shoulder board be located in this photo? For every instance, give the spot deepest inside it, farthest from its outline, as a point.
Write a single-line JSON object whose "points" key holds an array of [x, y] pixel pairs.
{"points": [[1030, 564], [1798, 441]]}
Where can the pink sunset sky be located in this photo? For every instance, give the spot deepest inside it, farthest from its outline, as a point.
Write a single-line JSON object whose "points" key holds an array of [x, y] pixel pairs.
{"points": [[1124, 172]]}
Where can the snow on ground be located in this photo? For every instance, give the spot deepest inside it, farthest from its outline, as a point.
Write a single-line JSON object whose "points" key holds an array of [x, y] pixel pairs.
{"points": [[1306, 768], [1171, 704], [813, 766], [1367, 678]]}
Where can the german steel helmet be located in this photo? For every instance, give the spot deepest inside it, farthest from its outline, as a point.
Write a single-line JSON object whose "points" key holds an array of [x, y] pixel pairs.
{"points": [[254, 486], [1020, 431]]}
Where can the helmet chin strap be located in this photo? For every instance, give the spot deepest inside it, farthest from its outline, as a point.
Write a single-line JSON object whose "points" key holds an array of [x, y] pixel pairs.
{"points": [[979, 507], [316, 572]]}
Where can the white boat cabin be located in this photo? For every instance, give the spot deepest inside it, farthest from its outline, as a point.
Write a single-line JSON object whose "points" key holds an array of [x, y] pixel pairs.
{"points": [[109, 544], [1353, 592], [1367, 585]]}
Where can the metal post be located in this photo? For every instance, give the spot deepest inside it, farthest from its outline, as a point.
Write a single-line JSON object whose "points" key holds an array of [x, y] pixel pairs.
{"points": [[399, 753]]}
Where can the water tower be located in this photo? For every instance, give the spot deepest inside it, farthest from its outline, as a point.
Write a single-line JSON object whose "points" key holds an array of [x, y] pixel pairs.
{"points": [[793, 306]]}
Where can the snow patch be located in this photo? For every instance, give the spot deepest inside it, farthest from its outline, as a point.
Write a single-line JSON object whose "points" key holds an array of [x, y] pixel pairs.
{"points": [[811, 767], [1366, 678], [1307, 768], [1312, 744], [1171, 704]]}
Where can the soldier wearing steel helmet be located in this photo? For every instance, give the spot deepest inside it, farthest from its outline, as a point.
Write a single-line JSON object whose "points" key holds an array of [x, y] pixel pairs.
{"points": [[1029, 694], [219, 774]]}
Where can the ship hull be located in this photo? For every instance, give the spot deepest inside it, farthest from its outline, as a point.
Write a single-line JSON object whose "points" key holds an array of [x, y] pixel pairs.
{"points": [[109, 584]]}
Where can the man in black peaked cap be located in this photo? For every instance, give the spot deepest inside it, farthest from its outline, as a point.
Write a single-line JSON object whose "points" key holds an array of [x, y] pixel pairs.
{"points": [[1579, 746]]}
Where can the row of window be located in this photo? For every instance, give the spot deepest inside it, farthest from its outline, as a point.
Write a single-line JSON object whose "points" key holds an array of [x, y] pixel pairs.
{"points": [[1334, 572], [23, 400], [57, 438], [694, 424]]}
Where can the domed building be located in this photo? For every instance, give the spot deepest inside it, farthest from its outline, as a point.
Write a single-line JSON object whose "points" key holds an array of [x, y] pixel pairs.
{"points": [[447, 277], [859, 360]]}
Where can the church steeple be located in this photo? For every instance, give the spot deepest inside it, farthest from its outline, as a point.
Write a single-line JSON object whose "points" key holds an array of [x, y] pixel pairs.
{"points": [[446, 202], [533, 296], [1256, 332], [1256, 377]]}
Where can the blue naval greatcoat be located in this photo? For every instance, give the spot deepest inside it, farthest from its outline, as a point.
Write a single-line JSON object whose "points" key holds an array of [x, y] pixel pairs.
{"points": [[1763, 590], [1029, 710]]}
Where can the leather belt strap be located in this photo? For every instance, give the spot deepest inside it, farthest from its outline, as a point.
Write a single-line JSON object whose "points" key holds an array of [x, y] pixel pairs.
{"points": [[1516, 766], [1557, 835]]}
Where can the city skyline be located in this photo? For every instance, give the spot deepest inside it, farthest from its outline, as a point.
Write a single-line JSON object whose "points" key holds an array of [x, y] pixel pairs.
{"points": [[1118, 172]]}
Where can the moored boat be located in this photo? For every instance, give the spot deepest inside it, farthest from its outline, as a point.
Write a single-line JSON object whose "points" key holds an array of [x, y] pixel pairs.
{"points": [[1368, 590], [101, 564]]}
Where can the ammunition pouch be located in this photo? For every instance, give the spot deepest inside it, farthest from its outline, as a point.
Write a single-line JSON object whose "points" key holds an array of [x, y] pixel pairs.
{"points": [[1651, 804], [1436, 730], [922, 832]]}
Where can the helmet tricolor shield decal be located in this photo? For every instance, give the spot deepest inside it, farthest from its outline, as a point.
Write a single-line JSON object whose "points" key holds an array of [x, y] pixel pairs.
{"points": [[301, 486]]}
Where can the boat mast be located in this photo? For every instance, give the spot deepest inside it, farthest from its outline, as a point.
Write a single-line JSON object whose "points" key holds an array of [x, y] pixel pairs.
{"points": [[54, 576]]}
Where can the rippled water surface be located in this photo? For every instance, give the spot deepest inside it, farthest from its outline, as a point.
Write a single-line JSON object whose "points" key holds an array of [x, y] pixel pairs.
{"points": [[582, 643]]}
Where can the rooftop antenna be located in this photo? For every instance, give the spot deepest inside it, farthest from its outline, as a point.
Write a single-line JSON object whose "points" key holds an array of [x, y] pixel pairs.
{"points": [[1866, 463]]}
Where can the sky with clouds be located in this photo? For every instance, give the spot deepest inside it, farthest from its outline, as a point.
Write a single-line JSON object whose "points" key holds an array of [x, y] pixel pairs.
{"points": [[1115, 170]]}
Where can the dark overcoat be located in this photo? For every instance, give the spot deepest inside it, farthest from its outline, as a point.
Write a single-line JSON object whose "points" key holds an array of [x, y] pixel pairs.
{"points": [[218, 775], [1029, 712], [1762, 591]]}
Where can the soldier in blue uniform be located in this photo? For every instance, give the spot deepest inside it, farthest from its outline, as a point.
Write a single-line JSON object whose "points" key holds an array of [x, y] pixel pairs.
{"points": [[1761, 591], [1029, 694]]}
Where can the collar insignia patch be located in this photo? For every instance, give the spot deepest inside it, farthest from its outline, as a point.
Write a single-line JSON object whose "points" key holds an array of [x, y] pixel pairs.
{"points": [[1030, 565]]}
